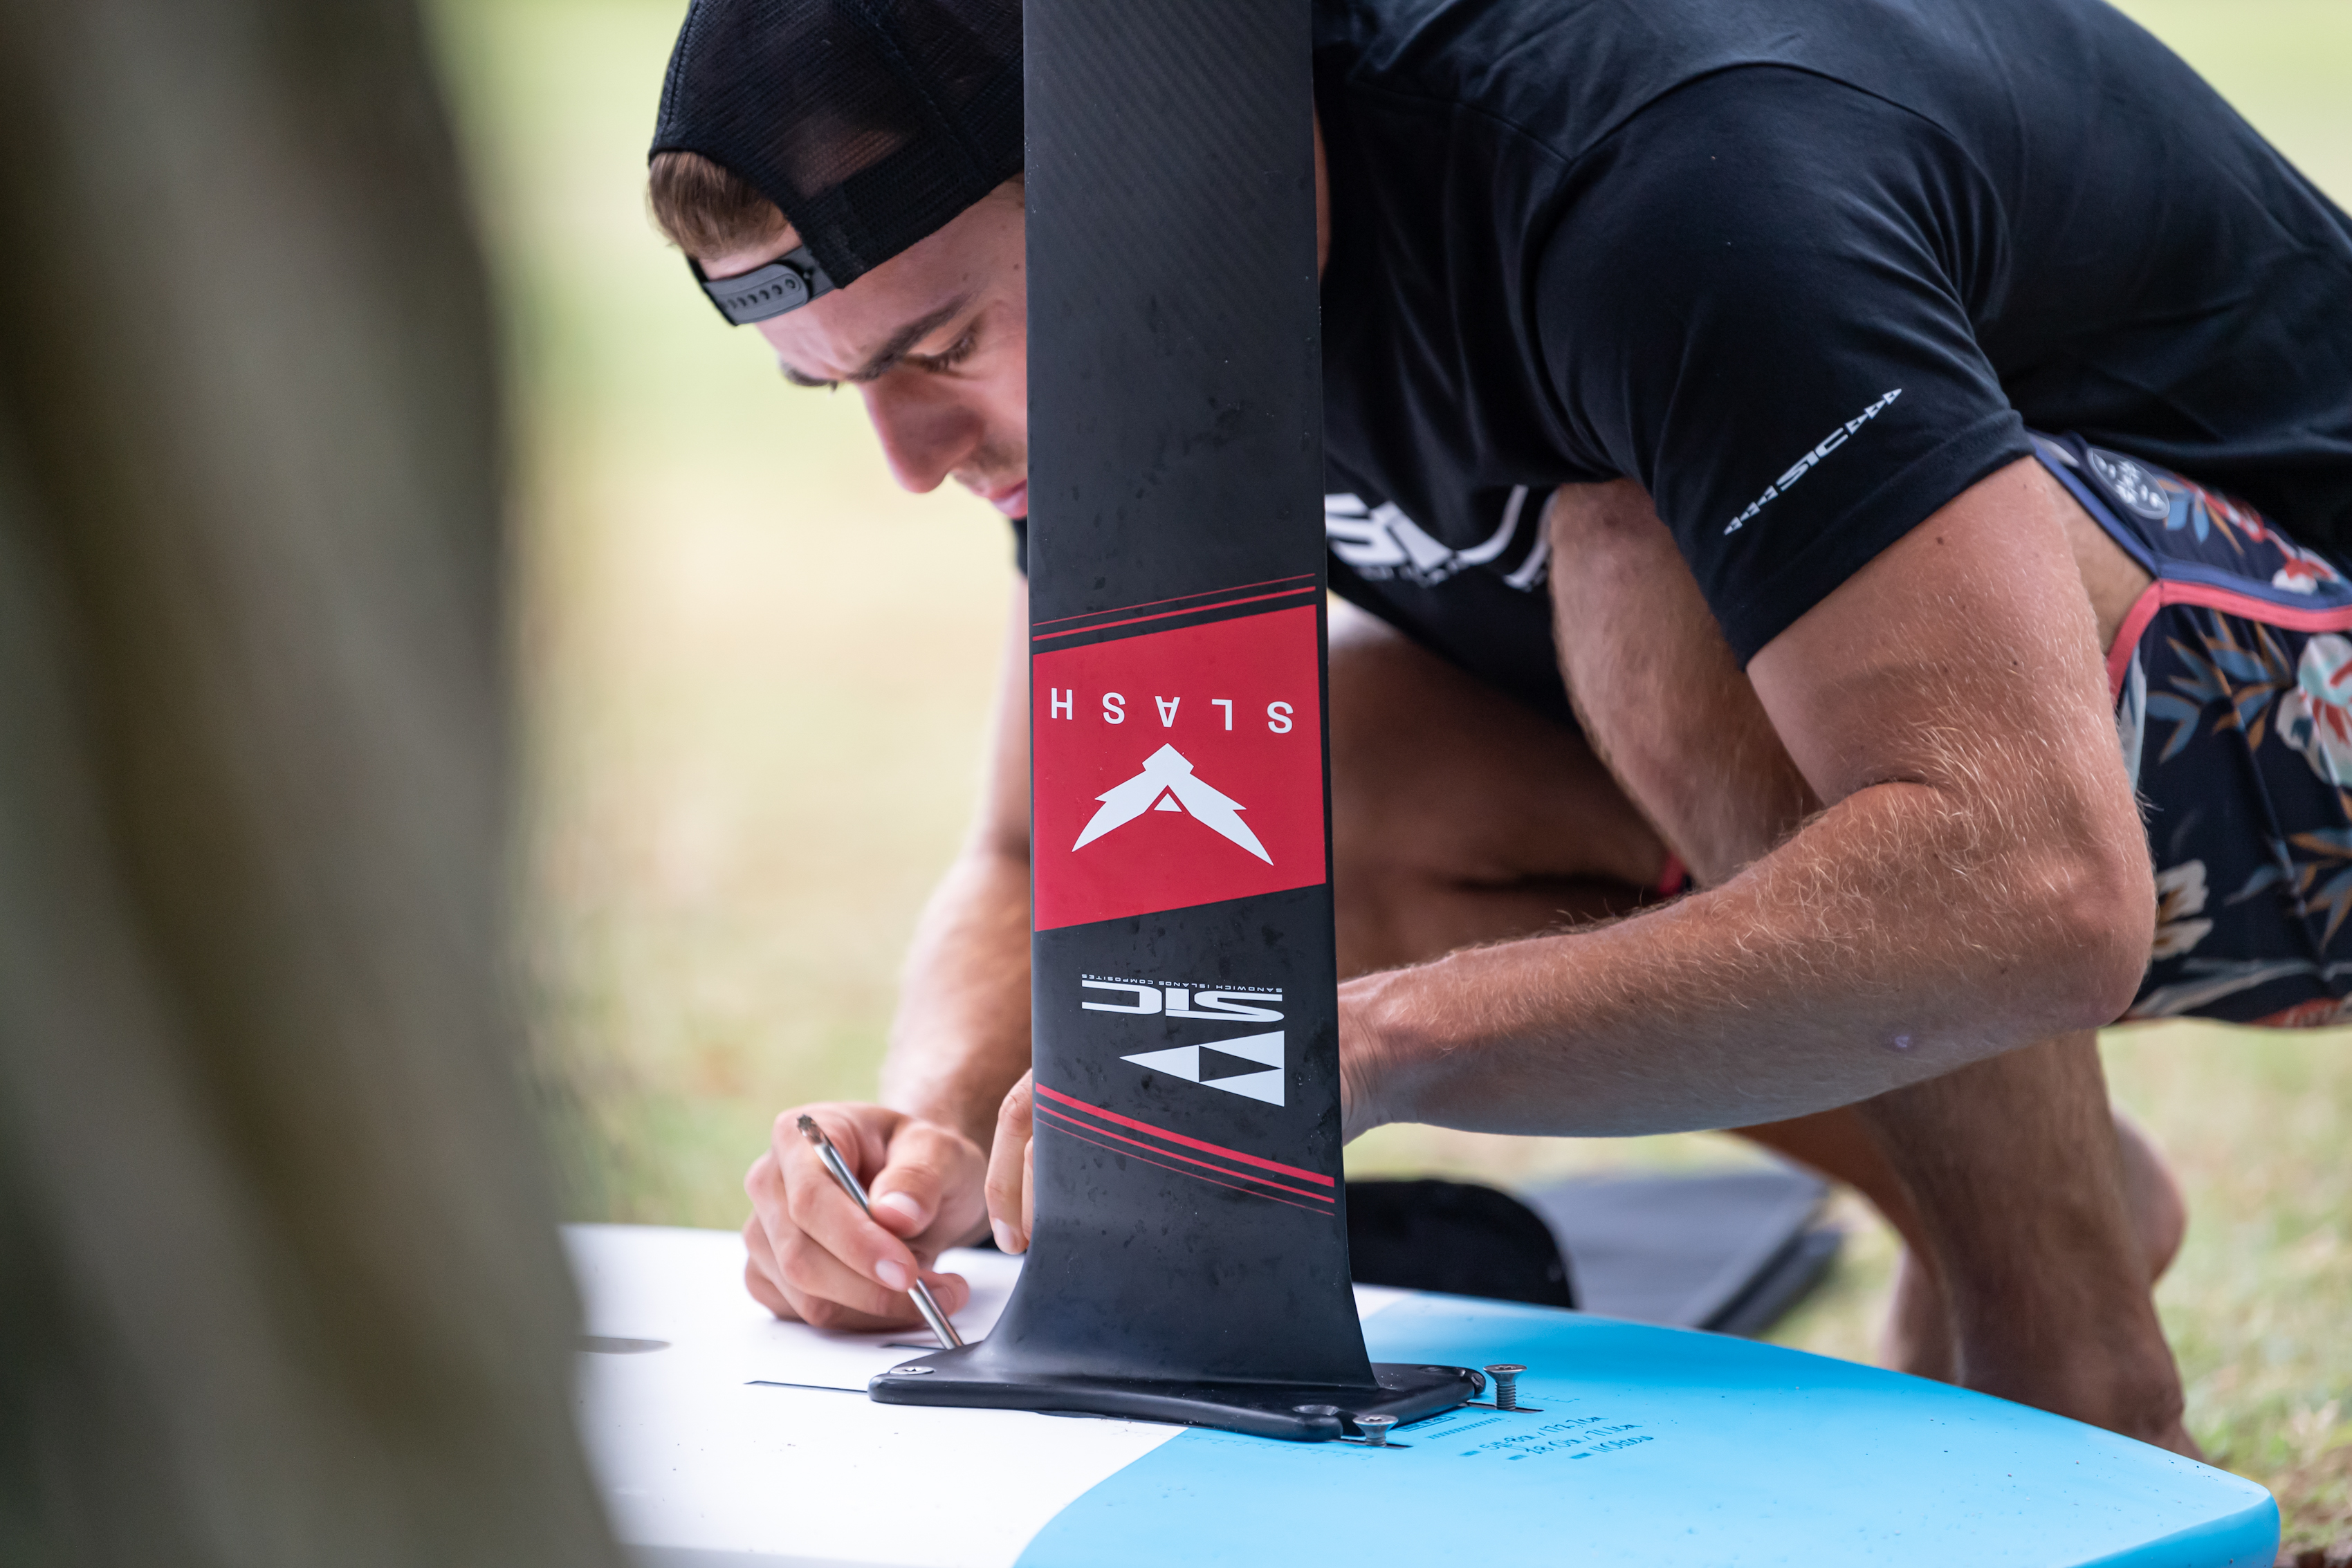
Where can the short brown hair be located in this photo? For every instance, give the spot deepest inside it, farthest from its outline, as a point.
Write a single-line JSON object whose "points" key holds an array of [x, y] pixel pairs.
{"points": [[708, 211]]}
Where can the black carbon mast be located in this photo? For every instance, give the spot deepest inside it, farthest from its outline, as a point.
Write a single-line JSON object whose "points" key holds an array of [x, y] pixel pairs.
{"points": [[1190, 1258]]}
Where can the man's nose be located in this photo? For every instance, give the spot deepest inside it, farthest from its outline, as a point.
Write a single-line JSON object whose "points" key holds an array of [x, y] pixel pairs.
{"points": [[925, 435]]}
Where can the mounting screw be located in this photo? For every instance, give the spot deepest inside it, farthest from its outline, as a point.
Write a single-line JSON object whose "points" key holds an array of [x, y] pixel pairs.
{"points": [[1375, 1429], [912, 1371], [1506, 1384]]}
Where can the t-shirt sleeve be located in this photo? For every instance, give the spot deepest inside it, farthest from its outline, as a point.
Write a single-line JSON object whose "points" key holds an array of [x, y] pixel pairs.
{"points": [[1757, 302]]}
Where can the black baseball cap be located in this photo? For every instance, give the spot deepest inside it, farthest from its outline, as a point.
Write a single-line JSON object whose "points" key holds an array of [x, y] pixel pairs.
{"points": [[869, 123]]}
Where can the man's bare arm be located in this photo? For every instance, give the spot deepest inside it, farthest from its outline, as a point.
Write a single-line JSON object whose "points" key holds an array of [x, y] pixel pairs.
{"points": [[1979, 878]]}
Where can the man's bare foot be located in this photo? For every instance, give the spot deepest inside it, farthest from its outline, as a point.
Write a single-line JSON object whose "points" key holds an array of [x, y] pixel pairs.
{"points": [[2124, 1381], [1919, 1337]]}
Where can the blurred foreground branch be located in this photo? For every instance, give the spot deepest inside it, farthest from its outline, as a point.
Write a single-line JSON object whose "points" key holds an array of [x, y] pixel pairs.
{"points": [[278, 1276]]}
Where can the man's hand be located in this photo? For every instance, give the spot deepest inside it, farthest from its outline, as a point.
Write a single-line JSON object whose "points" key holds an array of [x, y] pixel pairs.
{"points": [[815, 1258], [1011, 1166]]}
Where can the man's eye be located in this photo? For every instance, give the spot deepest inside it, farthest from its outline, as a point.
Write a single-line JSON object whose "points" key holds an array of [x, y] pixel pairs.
{"points": [[951, 355]]}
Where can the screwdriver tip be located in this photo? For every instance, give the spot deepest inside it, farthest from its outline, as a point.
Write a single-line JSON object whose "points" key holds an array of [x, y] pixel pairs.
{"points": [[811, 1131]]}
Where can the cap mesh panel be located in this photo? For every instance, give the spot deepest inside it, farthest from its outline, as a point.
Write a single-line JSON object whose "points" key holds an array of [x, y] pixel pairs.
{"points": [[870, 122]]}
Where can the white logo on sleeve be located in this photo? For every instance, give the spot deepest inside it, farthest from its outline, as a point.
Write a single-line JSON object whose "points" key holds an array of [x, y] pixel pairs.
{"points": [[1798, 470], [1167, 784]]}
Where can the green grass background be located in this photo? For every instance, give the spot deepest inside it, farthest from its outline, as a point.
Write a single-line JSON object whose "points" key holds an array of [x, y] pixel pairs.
{"points": [[756, 676]]}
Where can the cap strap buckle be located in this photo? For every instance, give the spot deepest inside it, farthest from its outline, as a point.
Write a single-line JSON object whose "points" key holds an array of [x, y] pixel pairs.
{"points": [[787, 283]]}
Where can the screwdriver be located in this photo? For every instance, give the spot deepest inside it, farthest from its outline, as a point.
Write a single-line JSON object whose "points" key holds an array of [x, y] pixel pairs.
{"points": [[839, 1167]]}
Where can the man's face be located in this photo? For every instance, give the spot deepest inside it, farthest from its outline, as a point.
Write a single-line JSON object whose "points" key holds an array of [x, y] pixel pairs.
{"points": [[936, 341]]}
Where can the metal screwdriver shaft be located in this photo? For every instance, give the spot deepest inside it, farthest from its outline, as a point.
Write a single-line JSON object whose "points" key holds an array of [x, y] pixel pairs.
{"points": [[839, 1168]]}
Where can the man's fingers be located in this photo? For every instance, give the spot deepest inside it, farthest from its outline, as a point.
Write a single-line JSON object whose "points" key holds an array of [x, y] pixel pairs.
{"points": [[824, 1289], [901, 1212], [1009, 1209], [815, 1254], [951, 1291], [778, 1269], [765, 1279], [760, 1271], [924, 1194], [829, 1237], [764, 1185]]}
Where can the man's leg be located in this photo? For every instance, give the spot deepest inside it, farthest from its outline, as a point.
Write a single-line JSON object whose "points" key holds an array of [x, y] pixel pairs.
{"points": [[1460, 816], [2015, 1188], [1843, 1143], [1917, 1335]]}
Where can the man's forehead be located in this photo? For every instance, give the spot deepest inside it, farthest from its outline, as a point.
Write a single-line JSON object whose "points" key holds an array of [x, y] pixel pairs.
{"points": [[859, 339]]}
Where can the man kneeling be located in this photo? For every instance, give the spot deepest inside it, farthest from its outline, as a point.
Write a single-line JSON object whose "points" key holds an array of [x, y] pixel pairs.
{"points": [[1755, 722]]}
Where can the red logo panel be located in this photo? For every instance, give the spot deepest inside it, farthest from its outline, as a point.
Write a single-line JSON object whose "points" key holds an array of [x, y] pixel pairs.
{"points": [[1177, 768]]}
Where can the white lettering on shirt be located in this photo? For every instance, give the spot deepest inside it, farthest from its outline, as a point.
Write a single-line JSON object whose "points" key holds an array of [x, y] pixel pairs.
{"points": [[1829, 443]]}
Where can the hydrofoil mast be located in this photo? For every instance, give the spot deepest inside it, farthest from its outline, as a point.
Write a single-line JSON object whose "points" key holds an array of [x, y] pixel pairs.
{"points": [[1190, 1257]]}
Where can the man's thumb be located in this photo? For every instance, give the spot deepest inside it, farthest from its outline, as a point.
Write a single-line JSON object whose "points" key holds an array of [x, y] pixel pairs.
{"points": [[901, 1212]]}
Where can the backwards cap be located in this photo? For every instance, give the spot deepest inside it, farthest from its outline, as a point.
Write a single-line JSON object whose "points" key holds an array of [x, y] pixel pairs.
{"points": [[870, 123]]}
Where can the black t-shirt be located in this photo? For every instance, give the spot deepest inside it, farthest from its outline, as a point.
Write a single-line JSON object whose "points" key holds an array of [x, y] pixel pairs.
{"points": [[1806, 269]]}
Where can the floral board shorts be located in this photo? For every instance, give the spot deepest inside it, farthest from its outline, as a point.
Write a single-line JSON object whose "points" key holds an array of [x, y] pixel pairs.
{"points": [[2232, 683]]}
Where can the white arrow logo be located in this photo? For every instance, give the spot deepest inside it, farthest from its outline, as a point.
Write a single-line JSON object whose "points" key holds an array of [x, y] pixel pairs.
{"points": [[1166, 784], [1184, 1061]]}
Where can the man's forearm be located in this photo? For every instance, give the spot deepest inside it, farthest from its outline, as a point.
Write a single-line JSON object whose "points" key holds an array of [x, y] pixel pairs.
{"points": [[1899, 935], [962, 1037]]}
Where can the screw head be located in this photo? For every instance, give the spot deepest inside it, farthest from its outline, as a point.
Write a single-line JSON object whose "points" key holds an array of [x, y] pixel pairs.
{"points": [[1504, 1369], [912, 1371], [1375, 1429]]}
